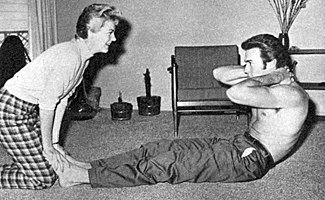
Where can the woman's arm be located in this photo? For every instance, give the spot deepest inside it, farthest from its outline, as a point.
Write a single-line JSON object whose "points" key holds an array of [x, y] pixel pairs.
{"points": [[59, 113], [54, 157]]}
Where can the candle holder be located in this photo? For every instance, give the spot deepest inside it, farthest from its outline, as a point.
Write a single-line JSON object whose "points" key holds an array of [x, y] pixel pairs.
{"points": [[148, 105], [120, 110]]}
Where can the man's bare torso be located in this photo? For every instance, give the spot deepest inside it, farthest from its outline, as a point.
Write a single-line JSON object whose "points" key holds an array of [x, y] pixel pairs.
{"points": [[279, 129]]}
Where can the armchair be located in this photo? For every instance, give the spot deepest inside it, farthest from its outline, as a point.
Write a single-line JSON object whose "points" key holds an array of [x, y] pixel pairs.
{"points": [[194, 89]]}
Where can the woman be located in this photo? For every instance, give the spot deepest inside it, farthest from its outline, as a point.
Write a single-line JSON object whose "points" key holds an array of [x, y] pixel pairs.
{"points": [[31, 137]]}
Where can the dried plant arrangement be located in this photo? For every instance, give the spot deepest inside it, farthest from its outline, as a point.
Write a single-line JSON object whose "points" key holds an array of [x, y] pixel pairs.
{"points": [[287, 11]]}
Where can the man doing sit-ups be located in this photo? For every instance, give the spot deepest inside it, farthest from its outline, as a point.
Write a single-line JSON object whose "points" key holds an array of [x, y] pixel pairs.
{"points": [[279, 109]]}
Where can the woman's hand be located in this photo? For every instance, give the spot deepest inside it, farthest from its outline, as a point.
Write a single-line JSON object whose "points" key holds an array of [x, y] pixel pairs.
{"points": [[56, 157]]}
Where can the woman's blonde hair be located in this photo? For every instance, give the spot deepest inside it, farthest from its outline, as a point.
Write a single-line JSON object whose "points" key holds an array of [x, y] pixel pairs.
{"points": [[93, 18]]}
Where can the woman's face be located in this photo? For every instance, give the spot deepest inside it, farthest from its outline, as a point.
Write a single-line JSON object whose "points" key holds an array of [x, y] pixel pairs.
{"points": [[100, 41]]}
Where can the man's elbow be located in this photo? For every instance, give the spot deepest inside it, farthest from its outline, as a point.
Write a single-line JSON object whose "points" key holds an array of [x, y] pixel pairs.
{"points": [[234, 94], [218, 74], [229, 93]]}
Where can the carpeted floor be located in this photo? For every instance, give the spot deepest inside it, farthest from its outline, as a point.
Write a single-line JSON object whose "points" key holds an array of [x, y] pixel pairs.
{"points": [[301, 176]]}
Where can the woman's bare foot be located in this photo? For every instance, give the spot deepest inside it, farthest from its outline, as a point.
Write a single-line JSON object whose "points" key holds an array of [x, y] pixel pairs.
{"points": [[72, 175]]}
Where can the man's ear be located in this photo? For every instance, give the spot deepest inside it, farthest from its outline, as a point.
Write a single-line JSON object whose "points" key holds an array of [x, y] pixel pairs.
{"points": [[271, 64]]}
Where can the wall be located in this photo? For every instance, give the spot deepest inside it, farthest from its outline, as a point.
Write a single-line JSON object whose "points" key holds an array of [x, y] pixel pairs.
{"points": [[158, 26], [14, 15]]}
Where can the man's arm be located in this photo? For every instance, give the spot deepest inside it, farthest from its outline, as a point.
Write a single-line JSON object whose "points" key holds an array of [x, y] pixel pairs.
{"points": [[230, 75], [268, 91]]}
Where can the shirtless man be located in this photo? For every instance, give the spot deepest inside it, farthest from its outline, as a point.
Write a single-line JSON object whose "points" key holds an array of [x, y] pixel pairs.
{"points": [[279, 104], [279, 109]]}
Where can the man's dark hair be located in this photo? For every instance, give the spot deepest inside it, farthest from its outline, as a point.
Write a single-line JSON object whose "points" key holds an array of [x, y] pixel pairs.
{"points": [[271, 48]]}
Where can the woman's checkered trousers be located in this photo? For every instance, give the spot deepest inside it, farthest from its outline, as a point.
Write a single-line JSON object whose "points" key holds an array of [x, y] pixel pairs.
{"points": [[20, 135]]}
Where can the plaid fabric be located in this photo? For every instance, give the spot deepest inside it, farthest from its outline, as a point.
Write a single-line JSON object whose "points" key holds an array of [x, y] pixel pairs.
{"points": [[21, 137]]}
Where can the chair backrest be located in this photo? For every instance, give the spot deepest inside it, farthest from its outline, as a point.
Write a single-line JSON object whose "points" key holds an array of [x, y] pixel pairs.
{"points": [[195, 66]]}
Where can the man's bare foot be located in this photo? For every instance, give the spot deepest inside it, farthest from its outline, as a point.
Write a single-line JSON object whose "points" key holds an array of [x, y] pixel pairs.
{"points": [[70, 159], [72, 175], [84, 165]]}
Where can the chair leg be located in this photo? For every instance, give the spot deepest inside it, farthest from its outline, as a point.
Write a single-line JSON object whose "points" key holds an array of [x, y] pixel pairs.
{"points": [[176, 122], [249, 115], [237, 116]]}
